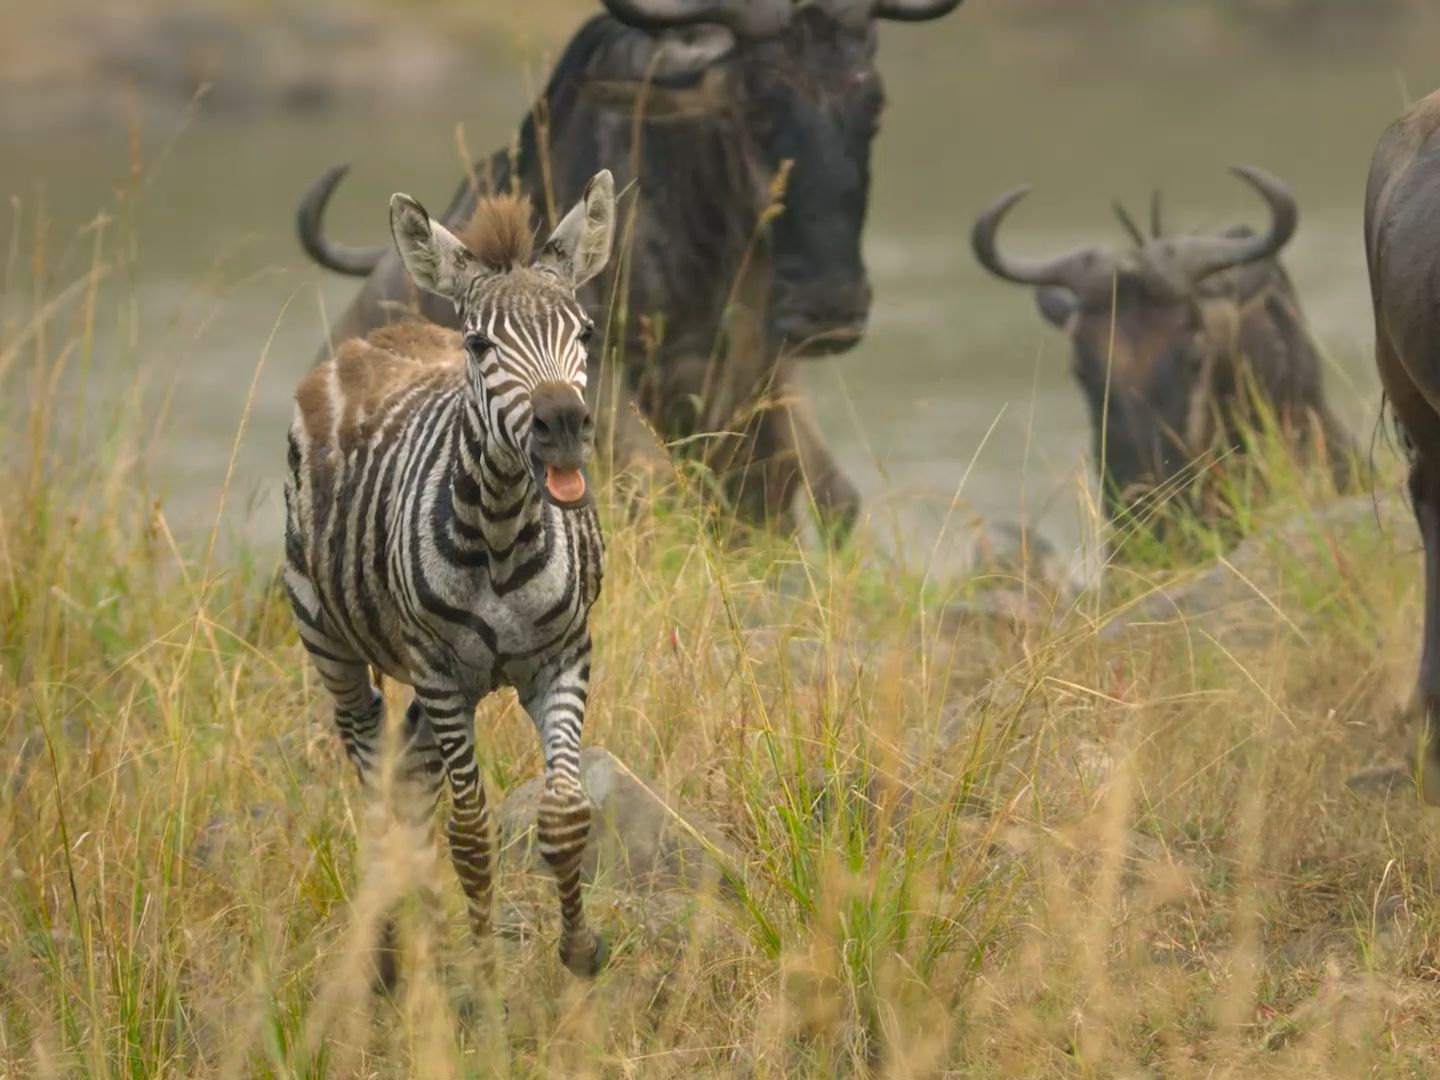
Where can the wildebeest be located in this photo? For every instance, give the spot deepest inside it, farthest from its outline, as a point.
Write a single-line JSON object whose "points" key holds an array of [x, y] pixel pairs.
{"points": [[1402, 247], [717, 108], [1168, 338]]}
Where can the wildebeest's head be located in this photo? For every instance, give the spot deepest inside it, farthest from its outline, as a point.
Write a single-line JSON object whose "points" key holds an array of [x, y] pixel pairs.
{"points": [[1152, 331], [801, 78]]}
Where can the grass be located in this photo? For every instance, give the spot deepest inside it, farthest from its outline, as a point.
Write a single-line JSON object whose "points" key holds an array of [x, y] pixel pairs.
{"points": [[952, 846]]}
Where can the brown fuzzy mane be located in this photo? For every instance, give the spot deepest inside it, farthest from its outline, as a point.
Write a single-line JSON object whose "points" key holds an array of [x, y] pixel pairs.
{"points": [[499, 233]]}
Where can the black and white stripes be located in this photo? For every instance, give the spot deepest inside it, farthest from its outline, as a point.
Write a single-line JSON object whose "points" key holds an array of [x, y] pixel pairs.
{"points": [[439, 528]]}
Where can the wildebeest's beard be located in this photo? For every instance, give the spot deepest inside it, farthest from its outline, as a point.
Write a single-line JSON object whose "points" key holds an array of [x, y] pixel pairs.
{"points": [[813, 100]]}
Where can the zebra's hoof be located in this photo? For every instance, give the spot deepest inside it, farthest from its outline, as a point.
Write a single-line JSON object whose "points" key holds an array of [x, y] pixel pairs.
{"points": [[584, 962], [486, 1006], [385, 978]]}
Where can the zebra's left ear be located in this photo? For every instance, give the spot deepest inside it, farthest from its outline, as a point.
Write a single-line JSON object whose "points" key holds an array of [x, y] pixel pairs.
{"points": [[432, 254], [579, 247]]}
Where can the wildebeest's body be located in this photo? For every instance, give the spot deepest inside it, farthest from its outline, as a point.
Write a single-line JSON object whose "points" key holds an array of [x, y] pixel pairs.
{"points": [[719, 295], [1402, 247]]}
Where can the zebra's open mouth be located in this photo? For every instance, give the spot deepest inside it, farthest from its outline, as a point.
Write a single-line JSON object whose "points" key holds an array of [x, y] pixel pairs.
{"points": [[566, 488]]}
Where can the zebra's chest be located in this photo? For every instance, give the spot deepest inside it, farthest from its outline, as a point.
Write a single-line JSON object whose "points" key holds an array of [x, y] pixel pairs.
{"points": [[502, 623]]}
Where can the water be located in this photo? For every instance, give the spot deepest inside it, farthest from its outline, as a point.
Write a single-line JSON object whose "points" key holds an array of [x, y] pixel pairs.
{"points": [[958, 379]]}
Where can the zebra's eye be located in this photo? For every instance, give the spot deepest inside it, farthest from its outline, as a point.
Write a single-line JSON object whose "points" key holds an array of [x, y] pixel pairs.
{"points": [[477, 343], [587, 332]]}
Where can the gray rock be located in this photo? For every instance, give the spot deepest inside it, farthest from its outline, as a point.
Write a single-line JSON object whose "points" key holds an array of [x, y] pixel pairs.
{"points": [[220, 837], [1012, 610], [1016, 580], [1241, 595], [1017, 556], [637, 838], [999, 698]]}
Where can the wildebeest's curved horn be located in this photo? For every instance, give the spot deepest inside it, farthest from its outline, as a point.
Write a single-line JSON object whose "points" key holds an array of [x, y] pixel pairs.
{"points": [[1197, 257], [913, 10], [309, 220], [745, 18], [1081, 270]]}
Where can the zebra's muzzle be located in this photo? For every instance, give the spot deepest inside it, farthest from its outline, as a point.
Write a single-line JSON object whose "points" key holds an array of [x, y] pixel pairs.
{"points": [[562, 435], [565, 488]]}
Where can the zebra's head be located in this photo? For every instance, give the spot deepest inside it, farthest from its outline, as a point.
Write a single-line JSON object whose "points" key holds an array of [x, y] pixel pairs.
{"points": [[525, 332]]}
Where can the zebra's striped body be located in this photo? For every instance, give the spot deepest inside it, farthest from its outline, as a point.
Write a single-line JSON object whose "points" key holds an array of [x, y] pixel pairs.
{"points": [[439, 530]]}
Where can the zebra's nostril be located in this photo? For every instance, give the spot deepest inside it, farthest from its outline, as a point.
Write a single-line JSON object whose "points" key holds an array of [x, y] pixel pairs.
{"points": [[539, 427], [587, 425]]}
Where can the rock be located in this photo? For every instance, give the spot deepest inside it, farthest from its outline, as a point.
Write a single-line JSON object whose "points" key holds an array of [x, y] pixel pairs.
{"points": [[999, 700], [1009, 609], [1018, 557], [1240, 595], [1396, 778], [25, 756], [1093, 763], [780, 656], [220, 837], [1352, 1009], [637, 837], [1017, 579], [876, 799]]}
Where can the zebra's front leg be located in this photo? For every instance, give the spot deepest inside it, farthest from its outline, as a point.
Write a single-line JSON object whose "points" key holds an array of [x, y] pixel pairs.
{"points": [[557, 705], [452, 720]]}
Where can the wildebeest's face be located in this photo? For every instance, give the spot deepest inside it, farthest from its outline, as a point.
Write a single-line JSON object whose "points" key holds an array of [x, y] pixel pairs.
{"points": [[1149, 335], [799, 78], [1146, 361], [813, 100]]}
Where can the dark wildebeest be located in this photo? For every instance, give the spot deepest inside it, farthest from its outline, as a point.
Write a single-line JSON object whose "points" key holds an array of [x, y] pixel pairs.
{"points": [[1175, 334], [1402, 247], [713, 106]]}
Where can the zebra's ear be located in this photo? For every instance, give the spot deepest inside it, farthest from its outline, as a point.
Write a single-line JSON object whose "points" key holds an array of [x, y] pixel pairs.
{"points": [[434, 257], [579, 247]]}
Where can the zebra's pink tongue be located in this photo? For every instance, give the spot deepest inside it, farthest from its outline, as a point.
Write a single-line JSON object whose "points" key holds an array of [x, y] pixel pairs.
{"points": [[566, 485]]}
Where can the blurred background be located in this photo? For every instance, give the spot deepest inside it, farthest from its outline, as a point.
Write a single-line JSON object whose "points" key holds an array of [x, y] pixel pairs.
{"points": [[1087, 100]]}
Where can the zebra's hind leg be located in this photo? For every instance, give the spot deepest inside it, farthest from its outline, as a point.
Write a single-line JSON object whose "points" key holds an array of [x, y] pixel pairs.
{"points": [[359, 708], [359, 719], [563, 820], [452, 719], [415, 788]]}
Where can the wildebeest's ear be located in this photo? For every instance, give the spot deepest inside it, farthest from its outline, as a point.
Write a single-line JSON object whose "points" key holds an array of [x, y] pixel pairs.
{"points": [[579, 247], [434, 257], [1056, 304]]}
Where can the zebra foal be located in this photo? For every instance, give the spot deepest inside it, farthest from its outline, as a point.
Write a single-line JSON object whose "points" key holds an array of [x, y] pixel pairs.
{"points": [[439, 528]]}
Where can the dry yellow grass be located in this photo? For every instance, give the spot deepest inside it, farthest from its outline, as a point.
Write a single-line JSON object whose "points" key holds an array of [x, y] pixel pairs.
{"points": [[967, 850]]}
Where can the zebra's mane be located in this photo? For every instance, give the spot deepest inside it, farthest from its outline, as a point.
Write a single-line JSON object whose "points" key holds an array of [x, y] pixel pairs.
{"points": [[500, 233]]}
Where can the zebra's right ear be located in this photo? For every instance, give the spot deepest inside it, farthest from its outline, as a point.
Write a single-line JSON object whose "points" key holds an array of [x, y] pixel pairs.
{"points": [[433, 256]]}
